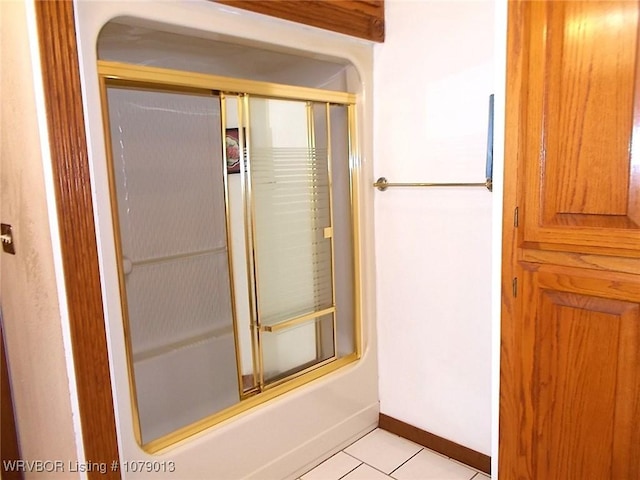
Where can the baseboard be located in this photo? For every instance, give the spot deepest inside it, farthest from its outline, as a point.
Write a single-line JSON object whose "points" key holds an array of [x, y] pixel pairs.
{"points": [[438, 444]]}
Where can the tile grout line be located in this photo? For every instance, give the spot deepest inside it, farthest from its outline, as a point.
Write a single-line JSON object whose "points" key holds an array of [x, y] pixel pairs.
{"points": [[365, 463], [332, 456], [356, 467], [393, 471], [480, 476], [477, 475]]}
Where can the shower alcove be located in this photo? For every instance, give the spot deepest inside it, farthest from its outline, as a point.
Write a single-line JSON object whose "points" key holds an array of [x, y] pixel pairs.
{"points": [[232, 171]]}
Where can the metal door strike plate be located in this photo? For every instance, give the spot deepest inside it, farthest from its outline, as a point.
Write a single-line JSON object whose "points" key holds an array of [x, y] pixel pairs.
{"points": [[6, 236]]}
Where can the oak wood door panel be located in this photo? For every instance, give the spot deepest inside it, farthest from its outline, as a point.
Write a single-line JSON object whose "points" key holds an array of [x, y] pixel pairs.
{"points": [[580, 333], [574, 359], [581, 170], [570, 354]]}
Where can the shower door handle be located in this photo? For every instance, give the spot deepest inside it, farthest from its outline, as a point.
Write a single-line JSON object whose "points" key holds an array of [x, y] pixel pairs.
{"points": [[127, 265]]}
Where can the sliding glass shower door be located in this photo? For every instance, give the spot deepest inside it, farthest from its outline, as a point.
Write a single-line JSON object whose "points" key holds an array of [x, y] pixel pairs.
{"points": [[227, 243], [291, 201], [170, 210]]}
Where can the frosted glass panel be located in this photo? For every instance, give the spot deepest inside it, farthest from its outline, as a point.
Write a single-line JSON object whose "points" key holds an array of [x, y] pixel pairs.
{"points": [[164, 149], [168, 175], [337, 133], [342, 230], [297, 348], [185, 385], [174, 300], [290, 188]]}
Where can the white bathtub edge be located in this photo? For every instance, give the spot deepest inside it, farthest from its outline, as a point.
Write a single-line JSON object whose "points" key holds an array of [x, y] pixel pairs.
{"points": [[317, 449]]}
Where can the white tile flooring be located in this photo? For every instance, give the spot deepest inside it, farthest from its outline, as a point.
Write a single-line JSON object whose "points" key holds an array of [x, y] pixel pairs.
{"points": [[381, 455]]}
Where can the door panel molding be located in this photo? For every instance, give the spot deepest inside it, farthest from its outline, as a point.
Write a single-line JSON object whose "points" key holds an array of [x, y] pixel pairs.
{"points": [[585, 351], [63, 99], [579, 118], [581, 260]]}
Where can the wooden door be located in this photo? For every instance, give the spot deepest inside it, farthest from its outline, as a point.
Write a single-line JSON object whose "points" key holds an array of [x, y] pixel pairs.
{"points": [[570, 357]]}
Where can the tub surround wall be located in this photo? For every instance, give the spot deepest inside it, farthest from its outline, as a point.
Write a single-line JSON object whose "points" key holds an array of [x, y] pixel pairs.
{"points": [[315, 420]]}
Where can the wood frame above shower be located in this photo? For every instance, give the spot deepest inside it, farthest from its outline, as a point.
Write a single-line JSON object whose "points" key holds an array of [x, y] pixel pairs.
{"points": [[358, 18]]}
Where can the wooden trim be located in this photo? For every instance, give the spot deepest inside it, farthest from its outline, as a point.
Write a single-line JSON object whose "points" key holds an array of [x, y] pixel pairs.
{"points": [[606, 263], [438, 444], [63, 99], [358, 18], [510, 411], [9, 446]]}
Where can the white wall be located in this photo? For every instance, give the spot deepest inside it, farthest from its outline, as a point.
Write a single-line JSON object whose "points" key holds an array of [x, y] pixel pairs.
{"points": [[433, 76], [33, 325]]}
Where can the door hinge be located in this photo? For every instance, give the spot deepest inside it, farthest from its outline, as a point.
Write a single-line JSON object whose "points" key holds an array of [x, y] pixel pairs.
{"points": [[515, 217], [514, 286]]}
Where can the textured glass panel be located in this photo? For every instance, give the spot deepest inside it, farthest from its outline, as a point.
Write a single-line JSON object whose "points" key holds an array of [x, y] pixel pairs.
{"points": [[294, 349], [342, 230], [164, 148], [175, 300], [291, 200], [290, 188], [168, 171], [185, 385], [341, 214]]}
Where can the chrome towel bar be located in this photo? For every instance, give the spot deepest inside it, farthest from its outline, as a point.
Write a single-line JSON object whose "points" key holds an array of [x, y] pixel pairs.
{"points": [[382, 184]]}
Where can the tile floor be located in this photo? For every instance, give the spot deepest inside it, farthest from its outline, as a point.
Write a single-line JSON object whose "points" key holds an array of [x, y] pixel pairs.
{"points": [[381, 455]]}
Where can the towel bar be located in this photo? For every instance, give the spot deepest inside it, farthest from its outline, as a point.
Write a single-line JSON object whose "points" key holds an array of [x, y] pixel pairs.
{"points": [[382, 184]]}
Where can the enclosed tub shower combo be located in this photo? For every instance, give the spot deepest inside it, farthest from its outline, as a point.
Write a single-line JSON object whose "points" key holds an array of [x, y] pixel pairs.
{"points": [[234, 223]]}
